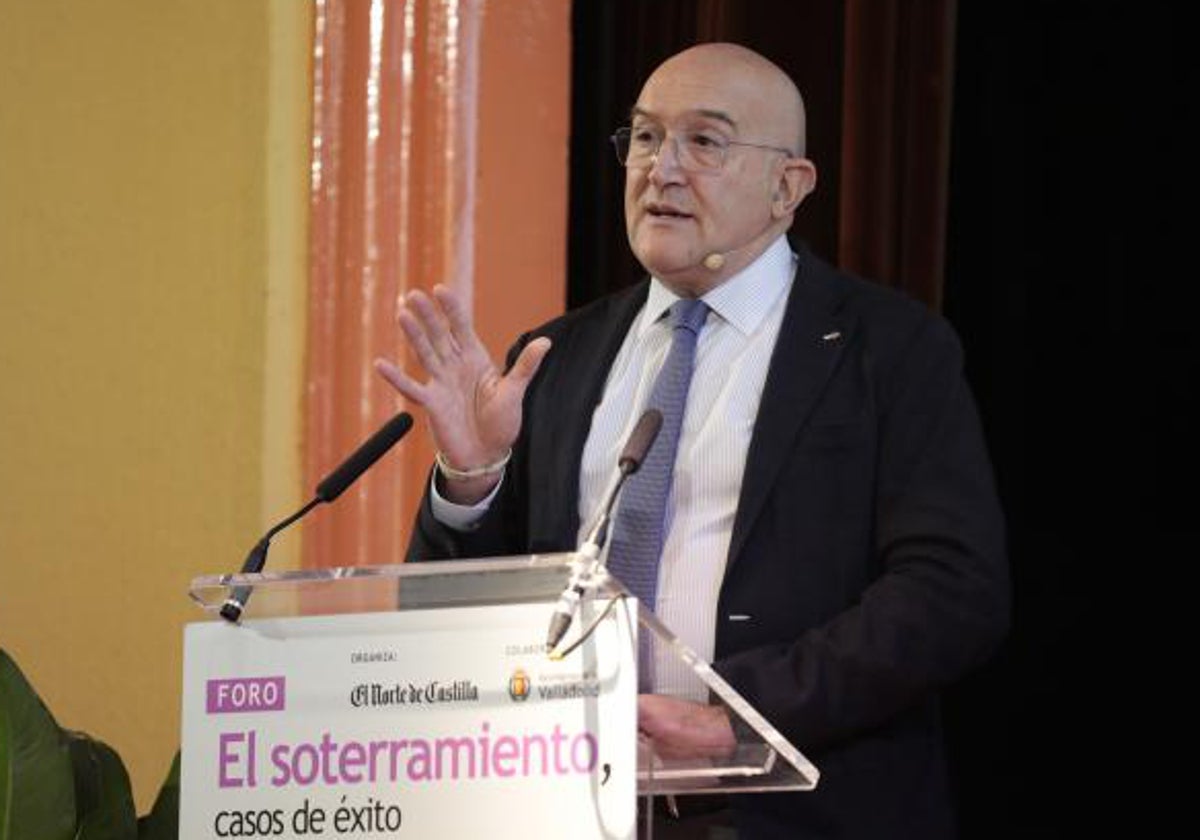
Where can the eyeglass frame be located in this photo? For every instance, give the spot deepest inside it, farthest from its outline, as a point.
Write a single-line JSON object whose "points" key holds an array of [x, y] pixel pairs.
{"points": [[626, 131]]}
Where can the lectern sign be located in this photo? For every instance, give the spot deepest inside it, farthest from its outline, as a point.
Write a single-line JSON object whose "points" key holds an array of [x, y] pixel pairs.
{"points": [[426, 723]]}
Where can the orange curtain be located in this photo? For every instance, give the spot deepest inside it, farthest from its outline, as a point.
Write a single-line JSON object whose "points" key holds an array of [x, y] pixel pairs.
{"points": [[404, 171]]}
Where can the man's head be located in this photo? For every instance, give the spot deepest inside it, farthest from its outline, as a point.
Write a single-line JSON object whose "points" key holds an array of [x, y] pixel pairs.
{"points": [[714, 103]]}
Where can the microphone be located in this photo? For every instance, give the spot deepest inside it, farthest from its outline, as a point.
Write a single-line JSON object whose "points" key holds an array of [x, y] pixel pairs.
{"points": [[329, 489], [639, 443], [366, 455], [715, 260]]}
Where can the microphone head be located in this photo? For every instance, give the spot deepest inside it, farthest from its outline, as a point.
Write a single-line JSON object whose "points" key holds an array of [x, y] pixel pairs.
{"points": [[364, 457], [640, 441], [714, 261]]}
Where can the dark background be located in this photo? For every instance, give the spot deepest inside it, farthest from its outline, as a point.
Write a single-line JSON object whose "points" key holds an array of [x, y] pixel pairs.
{"points": [[1065, 275]]}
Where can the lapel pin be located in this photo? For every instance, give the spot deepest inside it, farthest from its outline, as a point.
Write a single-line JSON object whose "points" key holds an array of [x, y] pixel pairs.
{"points": [[831, 336]]}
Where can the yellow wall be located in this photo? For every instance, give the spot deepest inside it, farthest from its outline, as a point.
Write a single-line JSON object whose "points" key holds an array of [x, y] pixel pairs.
{"points": [[152, 265]]}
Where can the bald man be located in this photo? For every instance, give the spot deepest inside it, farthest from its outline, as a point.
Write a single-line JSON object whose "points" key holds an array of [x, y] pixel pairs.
{"points": [[832, 540]]}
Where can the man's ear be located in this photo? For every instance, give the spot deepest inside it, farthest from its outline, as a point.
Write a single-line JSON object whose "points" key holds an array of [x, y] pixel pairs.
{"points": [[797, 179]]}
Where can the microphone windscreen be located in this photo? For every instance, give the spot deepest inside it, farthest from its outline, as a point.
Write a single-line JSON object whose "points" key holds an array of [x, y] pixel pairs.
{"points": [[364, 457], [640, 440]]}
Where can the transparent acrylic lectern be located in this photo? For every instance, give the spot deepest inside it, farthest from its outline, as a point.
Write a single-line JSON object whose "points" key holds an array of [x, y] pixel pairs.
{"points": [[763, 760]]}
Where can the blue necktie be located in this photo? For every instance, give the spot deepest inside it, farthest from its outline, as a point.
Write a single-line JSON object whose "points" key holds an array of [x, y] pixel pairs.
{"points": [[638, 529]]}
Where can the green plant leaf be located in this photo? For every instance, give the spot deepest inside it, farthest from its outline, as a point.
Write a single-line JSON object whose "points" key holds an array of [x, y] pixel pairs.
{"points": [[37, 791], [5, 762], [162, 823], [104, 807]]}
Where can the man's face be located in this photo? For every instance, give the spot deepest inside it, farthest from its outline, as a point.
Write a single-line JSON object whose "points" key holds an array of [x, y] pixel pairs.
{"points": [[676, 216]]}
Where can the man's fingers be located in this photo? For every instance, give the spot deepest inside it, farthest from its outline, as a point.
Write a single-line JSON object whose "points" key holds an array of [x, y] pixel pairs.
{"points": [[419, 341], [435, 323], [529, 361], [401, 381], [458, 315], [454, 308], [682, 729]]}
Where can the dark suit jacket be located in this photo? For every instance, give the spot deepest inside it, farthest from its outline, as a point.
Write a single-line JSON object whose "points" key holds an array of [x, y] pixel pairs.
{"points": [[868, 546]]}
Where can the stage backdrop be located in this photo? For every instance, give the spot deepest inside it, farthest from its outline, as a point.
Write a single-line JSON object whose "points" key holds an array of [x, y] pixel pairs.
{"points": [[156, 315]]}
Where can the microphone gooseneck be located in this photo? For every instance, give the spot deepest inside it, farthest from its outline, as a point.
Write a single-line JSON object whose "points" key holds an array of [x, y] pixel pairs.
{"points": [[588, 554], [329, 489]]}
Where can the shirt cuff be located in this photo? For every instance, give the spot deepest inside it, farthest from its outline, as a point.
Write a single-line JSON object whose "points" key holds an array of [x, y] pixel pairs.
{"points": [[459, 517]]}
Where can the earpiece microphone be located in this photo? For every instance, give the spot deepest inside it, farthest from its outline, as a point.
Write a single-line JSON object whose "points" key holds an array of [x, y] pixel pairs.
{"points": [[716, 260]]}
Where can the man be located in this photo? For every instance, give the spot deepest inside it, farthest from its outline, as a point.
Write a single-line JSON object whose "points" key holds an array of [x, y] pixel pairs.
{"points": [[833, 541]]}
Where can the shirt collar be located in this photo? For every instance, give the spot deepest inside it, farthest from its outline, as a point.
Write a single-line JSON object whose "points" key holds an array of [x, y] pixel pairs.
{"points": [[743, 300]]}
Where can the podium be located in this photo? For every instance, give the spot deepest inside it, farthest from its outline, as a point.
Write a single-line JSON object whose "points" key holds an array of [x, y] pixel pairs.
{"points": [[405, 699]]}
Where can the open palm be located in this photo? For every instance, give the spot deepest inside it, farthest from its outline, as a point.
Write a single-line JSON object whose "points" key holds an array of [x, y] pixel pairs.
{"points": [[474, 410]]}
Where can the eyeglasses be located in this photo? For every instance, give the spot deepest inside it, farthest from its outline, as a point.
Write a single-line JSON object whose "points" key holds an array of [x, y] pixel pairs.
{"points": [[696, 151]]}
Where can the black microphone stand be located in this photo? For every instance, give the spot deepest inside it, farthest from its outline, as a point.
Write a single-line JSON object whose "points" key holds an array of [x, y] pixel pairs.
{"points": [[587, 563], [329, 489]]}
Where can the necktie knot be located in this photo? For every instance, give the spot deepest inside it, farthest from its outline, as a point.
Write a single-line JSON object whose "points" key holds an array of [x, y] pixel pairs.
{"points": [[688, 313]]}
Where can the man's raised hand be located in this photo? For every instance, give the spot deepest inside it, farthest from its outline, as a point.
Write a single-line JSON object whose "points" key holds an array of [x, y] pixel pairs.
{"points": [[474, 410]]}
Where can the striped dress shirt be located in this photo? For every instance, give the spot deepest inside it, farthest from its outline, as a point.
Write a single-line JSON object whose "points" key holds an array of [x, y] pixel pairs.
{"points": [[732, 357]]}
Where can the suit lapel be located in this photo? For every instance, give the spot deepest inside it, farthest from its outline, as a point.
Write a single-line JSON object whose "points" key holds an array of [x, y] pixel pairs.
{"points": [[810, 343], [567, 400]]}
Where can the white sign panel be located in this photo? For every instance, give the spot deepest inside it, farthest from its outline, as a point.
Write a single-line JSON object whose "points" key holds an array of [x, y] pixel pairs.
{"points": [[431, 723]]}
